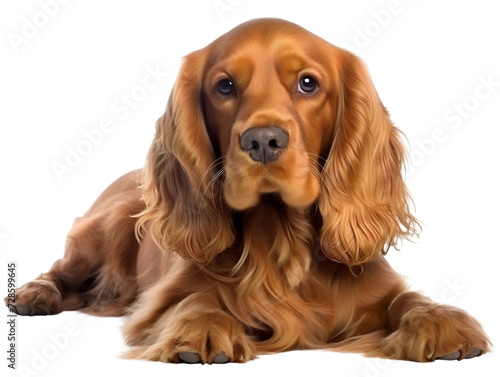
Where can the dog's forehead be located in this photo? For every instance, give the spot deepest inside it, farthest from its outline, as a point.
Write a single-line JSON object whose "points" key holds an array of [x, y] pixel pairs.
{"points": [[266, 37]]}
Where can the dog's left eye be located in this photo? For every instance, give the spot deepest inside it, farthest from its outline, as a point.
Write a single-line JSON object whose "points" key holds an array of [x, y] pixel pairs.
{"points": [[226, 87], [307, 85]]}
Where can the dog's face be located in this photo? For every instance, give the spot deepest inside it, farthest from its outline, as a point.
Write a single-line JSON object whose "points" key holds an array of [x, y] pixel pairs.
{"points": [[269, 106]]}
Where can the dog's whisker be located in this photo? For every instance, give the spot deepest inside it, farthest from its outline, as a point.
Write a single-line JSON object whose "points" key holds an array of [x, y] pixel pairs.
{"points": [[215, 163], [315, 173], [317, 182], [316, 162], [322, 171], [220, 193], [318, 172], [220, 174], [214, 179], [318, 156]]}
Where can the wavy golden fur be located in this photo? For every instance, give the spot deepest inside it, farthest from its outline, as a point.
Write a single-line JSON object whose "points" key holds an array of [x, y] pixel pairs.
{"points": [[271, 192]]}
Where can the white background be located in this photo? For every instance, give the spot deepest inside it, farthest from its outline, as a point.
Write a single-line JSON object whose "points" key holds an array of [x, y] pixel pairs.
{"points": [[429, 61]]}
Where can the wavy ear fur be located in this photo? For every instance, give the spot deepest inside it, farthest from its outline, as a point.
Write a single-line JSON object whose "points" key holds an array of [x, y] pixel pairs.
{"points": [[364, 203], [181, 213]]}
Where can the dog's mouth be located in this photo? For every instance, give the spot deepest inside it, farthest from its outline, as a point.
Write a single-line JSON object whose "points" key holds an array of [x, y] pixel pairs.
{"points": [[245, 187], [242, 196]]}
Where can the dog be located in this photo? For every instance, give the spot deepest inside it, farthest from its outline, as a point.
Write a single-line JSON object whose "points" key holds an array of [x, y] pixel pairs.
{"points": [[259, 224]]}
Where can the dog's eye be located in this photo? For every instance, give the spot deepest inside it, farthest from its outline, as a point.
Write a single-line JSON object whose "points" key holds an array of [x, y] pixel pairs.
{"points": [[307, 85], [225, 87]]}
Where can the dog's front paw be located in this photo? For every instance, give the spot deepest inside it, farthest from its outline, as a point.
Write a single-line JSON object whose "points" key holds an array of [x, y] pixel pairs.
{"points": [[434, 331], [39, 297], [196, 330], [212, 336]]}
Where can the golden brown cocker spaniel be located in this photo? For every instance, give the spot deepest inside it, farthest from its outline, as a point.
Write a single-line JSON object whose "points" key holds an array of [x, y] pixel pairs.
{"points": [[271, 193]]}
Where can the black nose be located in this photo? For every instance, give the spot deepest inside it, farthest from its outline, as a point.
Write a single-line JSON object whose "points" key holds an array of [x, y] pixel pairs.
{"points": [[264, 143]]}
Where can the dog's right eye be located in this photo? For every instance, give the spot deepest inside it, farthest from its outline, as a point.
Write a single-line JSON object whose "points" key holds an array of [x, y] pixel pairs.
{"points": [[226, 87]]}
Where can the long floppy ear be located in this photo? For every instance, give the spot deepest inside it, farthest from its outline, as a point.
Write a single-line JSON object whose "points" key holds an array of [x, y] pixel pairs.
{"points": [[182, 213], [364, 203]]}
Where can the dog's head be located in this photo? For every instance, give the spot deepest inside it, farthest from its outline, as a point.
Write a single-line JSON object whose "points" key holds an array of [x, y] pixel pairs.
{"points": [[270, 108]]}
